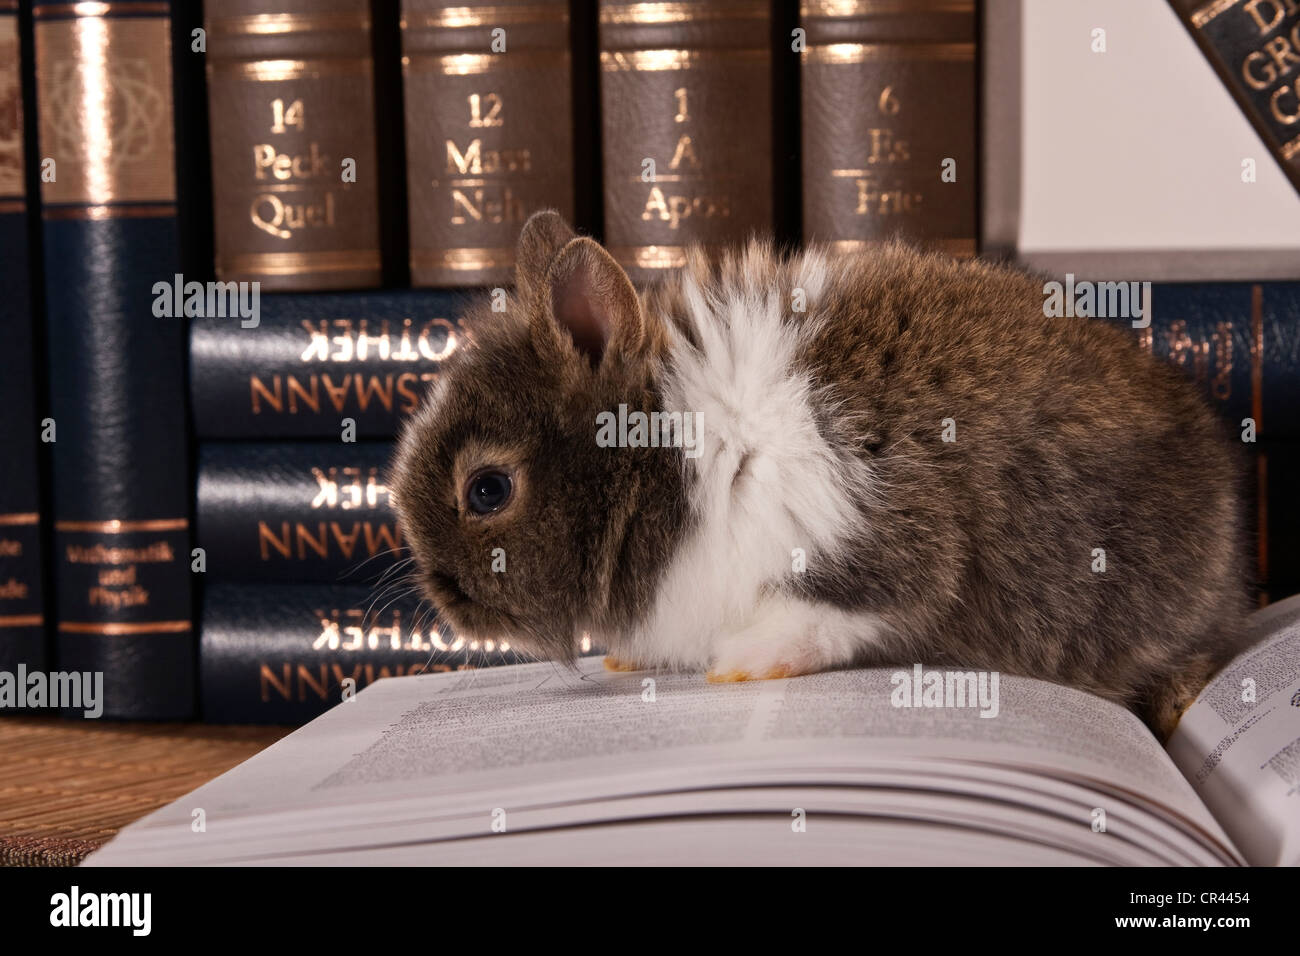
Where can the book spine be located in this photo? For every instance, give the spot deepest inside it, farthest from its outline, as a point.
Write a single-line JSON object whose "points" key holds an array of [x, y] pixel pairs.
{"points": [[313, 361], [489, 131], [22, 611], [1277, 476], [1254, 47], [296, 511], [1240, 344], [291, 112], [285, 653], [890, 123], [686, 105], [116, 360]]}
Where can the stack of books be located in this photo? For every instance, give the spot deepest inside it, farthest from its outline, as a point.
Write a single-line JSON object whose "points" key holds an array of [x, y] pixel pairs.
{"points": [[257, 226]]}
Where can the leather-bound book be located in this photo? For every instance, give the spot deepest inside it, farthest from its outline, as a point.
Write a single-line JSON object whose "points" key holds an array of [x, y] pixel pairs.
{"points": [[284, 653], [1239, 342], [489, 131], [291, 114], [686, 116], [889, 97], [116, 352], [296, 511], [314, 363], [22, 615], [1254, 46]]}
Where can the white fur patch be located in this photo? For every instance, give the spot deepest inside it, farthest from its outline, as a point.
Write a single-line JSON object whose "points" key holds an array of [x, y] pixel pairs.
{"points": [[766, 483]]}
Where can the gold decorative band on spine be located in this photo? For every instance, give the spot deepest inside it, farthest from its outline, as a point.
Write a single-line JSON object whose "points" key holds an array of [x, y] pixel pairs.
{"points": [[957, 248], [143, 627], [58, 11], [22, 620], [651, 257], [647, 60], [19, 518], [294, 263], [1211, 10], [123, 527], [866, 8], [270, 24], [475, 64], [466, 259], [96, 213], [275, 71], [681, 12], [104, 106], [8, 206], [1291, 149], [459, 17], [870, 52]]}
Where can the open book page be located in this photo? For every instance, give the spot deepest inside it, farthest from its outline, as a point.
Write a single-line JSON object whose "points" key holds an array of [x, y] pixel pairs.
{"points": [[1239, 743], [435, 757]]}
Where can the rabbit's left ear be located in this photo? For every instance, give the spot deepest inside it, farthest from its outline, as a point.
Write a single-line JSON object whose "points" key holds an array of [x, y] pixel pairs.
{"points": [[593, 301], [544, 234]]}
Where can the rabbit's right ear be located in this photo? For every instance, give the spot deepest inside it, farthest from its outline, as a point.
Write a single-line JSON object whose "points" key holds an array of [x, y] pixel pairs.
{"points": [[544, 234]]}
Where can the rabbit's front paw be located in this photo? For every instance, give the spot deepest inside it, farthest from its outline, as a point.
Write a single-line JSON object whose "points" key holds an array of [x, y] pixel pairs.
{"points": [[776, 645], [789, 637]]}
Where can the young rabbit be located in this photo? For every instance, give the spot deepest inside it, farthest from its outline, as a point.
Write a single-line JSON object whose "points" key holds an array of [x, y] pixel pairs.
{"points": [[896, 458]]}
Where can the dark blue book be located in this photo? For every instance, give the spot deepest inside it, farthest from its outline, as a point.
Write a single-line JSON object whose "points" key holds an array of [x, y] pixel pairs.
{"points": [[104, 96], [285, 653], [310, 361], [1278, 518], [22, 612], [296, 511], [1240, 343]]}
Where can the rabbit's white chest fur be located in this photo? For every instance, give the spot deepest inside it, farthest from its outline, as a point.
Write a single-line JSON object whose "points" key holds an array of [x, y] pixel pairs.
{"points": [[770, 497]]}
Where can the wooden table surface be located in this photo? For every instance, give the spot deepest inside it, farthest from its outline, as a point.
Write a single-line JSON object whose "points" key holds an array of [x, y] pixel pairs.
{"points": [[67, 786]]}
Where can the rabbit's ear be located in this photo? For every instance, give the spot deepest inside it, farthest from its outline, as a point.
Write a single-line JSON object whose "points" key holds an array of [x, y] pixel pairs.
{"points": [[544, 234], [593, 301]]}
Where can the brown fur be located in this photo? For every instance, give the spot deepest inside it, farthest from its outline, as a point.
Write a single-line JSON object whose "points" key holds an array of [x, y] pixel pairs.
{"points": [[977, 552]]}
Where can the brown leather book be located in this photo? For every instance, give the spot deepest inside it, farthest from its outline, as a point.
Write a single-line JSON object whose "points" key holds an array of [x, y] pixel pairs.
{"points": [[888, 90], [1254, 46], [291, 113], [686, 115], [489, 131]]}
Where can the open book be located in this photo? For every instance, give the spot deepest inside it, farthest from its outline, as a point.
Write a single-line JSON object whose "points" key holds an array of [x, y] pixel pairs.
{"points": [[538, 764]]}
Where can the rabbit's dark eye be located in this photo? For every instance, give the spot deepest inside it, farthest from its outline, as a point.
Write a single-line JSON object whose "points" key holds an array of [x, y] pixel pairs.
{"points": [[488, 491]]}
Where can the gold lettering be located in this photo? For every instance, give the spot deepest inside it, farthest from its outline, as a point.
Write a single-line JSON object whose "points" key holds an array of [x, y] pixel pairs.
{"points": [[467, 163], [685, 150], [493, 118], [875, 201], [319, 346], [310, 399], [305, 681], [385, 537], [274, 398], [338, 395], [269, 682], [1274, 104], [266, 537], [1261, 79], [1279, 48], [1252, 7], [382, 392]]}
